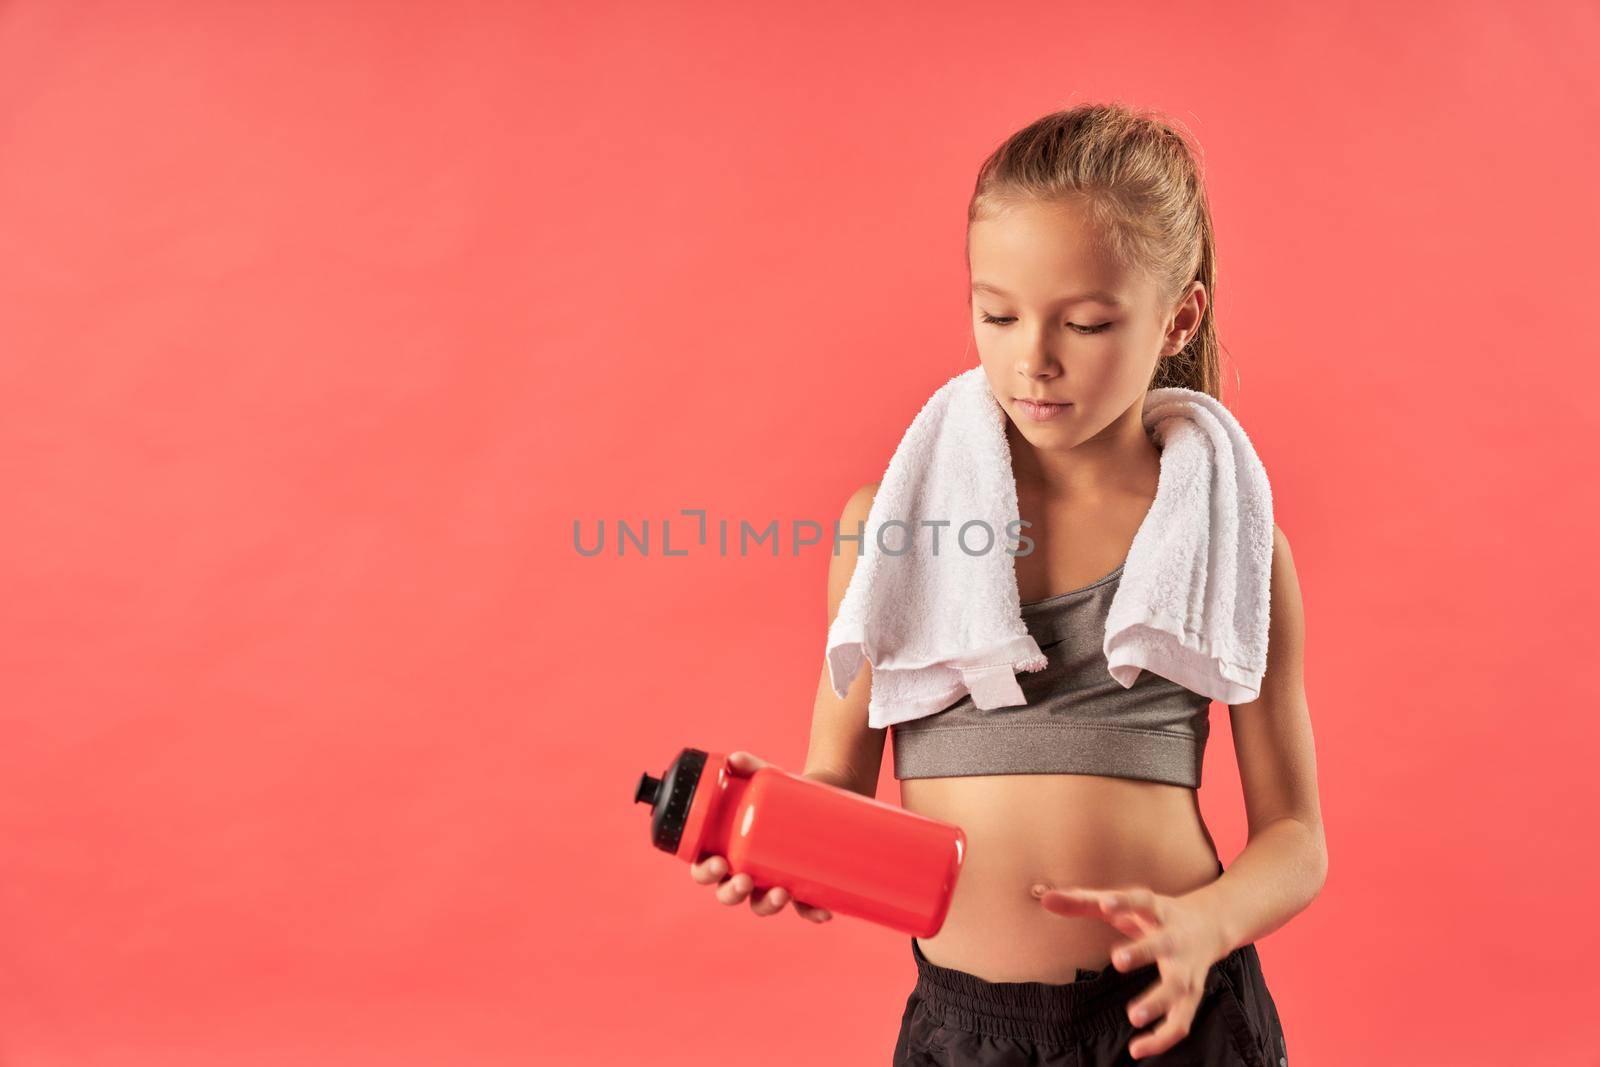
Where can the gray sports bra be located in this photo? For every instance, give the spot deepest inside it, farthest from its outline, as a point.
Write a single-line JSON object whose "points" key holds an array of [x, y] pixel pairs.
{"points": [[1078, 719]]}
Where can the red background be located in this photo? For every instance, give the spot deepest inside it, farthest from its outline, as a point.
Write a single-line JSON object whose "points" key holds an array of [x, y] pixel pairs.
{"points": [[322, 325]]}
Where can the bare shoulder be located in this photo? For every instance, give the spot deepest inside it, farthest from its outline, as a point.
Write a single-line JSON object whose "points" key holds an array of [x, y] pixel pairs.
{"points": [[852, 527], [1283, 684], [1285, 581], [1280, 541], [854, 518], [860, 501]]}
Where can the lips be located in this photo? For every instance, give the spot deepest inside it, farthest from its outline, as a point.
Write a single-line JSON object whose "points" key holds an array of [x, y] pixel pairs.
{"points": [[1041, 410]]}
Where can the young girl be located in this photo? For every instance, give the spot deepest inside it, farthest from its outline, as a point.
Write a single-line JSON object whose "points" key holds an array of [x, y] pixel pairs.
{"points": [[1093, 920]]}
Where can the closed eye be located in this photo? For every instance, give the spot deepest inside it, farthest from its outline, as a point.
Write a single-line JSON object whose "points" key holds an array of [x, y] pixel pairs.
{"points": [[1006, 320]]}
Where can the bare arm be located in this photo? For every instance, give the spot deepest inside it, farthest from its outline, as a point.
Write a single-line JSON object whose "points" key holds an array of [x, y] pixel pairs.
{"points": [[1283, 867], [845, 751]]}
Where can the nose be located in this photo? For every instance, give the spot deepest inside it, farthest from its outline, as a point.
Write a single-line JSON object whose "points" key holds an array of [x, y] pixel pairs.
{"points": [[1038, 366], [1035, 361]]}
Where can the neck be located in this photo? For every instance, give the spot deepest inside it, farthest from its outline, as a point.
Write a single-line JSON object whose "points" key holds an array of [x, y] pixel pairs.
{"points": [[1121, 458]]}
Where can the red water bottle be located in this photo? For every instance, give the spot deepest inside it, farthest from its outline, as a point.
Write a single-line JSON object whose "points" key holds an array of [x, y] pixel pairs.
{"points": [[829, 847]]}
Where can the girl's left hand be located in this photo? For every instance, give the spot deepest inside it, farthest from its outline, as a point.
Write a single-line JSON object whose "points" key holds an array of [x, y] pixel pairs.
{"points": [[1179, 936]]}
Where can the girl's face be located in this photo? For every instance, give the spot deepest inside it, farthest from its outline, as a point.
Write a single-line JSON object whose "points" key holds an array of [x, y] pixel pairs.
{"points": [[1056, 319]]}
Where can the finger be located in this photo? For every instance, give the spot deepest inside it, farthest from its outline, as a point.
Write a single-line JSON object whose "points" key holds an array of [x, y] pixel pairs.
{"points": [[1131, 955], [709, 870], [812, 912], [1087, 903], [1129, 924], [1171, 993], [1139, 901], [1172, 1029], [745, 762], [1150, 1005], [1072, 901], [769, 901], [735, 889]]}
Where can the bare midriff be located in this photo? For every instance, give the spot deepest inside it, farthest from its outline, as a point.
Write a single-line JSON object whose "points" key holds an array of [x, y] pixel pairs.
{"points": [[1062, 830]]}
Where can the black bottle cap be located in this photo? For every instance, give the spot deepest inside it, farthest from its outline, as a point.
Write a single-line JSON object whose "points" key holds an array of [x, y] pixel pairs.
{"points": [[670, 796]]}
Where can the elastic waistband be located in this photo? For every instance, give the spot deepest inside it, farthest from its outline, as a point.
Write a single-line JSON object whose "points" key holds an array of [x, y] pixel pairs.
{"points": [[1043, 1011]]}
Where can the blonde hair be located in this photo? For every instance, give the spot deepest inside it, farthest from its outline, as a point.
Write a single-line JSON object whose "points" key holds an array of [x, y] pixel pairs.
{"points": [[1142, 186]]}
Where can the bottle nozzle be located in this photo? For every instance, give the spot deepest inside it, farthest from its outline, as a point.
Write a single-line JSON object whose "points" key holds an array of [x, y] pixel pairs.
{"points": [[649, 790]]}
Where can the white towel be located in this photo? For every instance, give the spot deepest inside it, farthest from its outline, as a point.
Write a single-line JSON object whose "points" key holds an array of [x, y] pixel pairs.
{"points": [[939, 616]]}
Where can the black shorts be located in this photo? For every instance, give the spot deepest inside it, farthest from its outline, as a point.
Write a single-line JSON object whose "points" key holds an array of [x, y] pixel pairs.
{"points": [[956, 1019]]}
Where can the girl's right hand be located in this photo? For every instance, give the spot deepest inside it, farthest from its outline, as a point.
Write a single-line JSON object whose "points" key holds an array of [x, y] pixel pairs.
{"points": [[713, 870]]}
